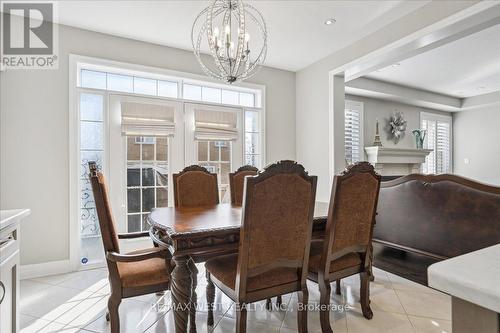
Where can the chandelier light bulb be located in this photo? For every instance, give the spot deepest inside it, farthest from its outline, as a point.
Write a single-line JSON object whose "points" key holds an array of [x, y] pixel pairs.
{"points": [[216, 32], [247, 37]]}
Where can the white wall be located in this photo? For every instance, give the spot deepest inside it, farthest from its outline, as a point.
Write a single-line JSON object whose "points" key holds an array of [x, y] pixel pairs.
{"points": [[374, 109], [313, 91], [34, 154], [476, 137]]}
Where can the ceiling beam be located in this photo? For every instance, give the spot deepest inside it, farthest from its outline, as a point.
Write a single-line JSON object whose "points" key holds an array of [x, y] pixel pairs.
{"points": [[406, 95], [487, 16], [481, 100]]}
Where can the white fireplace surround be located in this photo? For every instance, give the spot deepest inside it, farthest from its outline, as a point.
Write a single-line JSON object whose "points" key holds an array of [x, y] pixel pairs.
{"points": [[396, 161]]}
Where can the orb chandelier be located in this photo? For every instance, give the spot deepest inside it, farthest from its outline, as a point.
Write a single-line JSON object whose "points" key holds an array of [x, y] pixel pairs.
{"points": [[225, 26]]}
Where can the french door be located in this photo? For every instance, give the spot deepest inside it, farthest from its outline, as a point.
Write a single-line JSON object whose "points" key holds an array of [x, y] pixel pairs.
{"points": [[214, 140], [139, 162]]}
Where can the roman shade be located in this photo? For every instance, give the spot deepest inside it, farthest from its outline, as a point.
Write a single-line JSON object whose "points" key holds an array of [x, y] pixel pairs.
{"points": [[140, 119], [215, 125]]}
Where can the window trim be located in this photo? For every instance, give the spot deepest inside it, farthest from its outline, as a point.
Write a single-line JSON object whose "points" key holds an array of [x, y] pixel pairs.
{"points": [[443, 118], [360, 106]]}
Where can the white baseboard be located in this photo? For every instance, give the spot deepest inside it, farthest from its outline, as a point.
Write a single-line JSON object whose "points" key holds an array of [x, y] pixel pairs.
{"points": [[44, 269]]}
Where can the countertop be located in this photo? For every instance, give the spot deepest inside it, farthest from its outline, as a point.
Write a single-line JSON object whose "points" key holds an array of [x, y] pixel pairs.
{"points": [[9, 216], [473, 277]]}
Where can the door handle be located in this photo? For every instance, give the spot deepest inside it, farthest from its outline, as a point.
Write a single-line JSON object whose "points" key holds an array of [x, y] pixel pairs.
{"points": [[3, 292]]}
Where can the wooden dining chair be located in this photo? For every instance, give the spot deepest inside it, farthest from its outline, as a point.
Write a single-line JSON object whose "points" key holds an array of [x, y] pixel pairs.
{"points": [[236, 185], [347, 248], [195, 186], [275, 236], [237, 182], [132, 274]]}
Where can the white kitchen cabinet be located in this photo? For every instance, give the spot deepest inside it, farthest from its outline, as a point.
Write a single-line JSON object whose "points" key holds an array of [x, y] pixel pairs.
{"points": [[9, 269]]}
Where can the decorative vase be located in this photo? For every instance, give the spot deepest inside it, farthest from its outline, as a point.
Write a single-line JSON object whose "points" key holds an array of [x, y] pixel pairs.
{"points": [[419, 137]]}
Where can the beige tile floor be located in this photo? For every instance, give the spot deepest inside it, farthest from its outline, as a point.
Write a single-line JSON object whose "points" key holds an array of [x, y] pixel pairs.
{"points": [[76, 302]]}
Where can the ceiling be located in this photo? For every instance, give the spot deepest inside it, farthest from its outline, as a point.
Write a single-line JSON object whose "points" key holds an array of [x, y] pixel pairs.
{"points": [[466, 67], [297, 32]]}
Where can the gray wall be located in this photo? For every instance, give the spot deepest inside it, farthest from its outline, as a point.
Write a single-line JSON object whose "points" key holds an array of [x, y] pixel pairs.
{"points": [[476, 137], [34, 154], [379, 109]]}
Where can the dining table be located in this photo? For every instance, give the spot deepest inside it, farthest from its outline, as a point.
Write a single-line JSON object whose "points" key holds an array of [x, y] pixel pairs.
{"points": [[195, 234]]}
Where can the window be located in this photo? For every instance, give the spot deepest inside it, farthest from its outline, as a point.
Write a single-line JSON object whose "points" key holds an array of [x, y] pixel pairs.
{"points": [[353, 132], [438, 138], [139, 140], [91, 107], [127, 83], [252, 136], [147, 179]]}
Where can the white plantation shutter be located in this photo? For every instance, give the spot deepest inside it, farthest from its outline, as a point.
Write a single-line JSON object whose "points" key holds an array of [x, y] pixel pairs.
{"points": [[141, 119], [438, 138], [353, 132]]}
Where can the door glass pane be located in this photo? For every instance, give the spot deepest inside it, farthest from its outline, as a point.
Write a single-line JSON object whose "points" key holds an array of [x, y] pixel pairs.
{"points": [[202, 150], [144, 86], [148, 199], [161, 197], [213, 151], [133, 200], [148, 151], [167, 89], [133, 176], [219, 157], [161, 149], [123, 83], [134, 223], [147, 177], [133, 149], [92, 79]]}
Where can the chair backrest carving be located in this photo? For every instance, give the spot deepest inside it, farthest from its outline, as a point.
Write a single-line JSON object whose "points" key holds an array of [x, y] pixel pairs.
{"points": [[351, 214], [195, 186], [103, 207], [277, 217], [237, 182]]}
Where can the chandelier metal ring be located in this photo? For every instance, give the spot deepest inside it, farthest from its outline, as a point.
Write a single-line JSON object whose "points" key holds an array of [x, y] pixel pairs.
{"points": [[224, 26]]}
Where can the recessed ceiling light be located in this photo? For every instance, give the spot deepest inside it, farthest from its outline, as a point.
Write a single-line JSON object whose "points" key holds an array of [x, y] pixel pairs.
{"points": [[330, 21], [396, 64]]}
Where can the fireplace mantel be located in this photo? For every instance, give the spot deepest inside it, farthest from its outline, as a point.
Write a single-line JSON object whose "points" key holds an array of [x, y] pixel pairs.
{"points": [[396, 161]]}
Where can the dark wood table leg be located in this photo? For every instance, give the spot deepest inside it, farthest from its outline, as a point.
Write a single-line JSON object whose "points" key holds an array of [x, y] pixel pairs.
{"points": [[194, 298], [181, 292]]}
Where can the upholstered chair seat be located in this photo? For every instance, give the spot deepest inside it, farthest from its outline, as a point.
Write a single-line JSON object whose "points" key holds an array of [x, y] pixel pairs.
{"points": [[143, 273], [347, 261], [224, 270]]}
